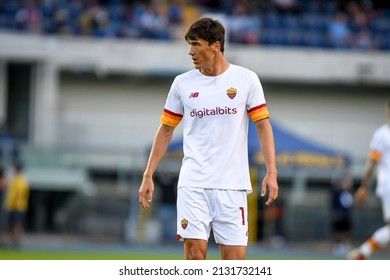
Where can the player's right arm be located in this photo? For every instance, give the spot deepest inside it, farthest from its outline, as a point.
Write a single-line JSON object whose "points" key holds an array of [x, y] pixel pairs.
{"points": [[159, 147]]}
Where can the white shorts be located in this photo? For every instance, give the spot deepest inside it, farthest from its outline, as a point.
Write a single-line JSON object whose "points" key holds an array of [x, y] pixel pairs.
{"points": [[224, 211]]}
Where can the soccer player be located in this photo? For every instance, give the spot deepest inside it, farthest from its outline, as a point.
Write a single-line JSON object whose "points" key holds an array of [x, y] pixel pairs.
{"points": [[215, 102], [3, 189], [379, 155], [16, 203]]}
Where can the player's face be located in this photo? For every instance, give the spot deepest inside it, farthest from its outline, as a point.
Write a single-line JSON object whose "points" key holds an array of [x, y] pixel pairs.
{"points": [[203, 55]]}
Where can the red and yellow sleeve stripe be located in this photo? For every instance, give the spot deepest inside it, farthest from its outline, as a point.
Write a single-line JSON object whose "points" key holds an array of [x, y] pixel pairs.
{"points": [[170, 118], [375, 155], [259, 112]]}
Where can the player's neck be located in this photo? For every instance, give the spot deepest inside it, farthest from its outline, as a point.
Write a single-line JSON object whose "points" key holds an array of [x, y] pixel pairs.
{"points": [[219, 67]]}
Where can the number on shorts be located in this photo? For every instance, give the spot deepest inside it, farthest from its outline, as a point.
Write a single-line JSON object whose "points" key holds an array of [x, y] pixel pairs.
{"points": [[242, 215]]}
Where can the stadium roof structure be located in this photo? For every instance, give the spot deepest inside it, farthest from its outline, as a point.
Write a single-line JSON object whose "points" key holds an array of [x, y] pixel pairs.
{"points": [[292, 151]]}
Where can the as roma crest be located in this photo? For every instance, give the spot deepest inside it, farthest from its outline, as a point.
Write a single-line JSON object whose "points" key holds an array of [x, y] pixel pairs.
{"points": [[184, 223], [231, 92]]}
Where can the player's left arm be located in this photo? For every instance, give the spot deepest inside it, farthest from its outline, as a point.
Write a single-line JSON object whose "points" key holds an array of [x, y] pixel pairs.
{"points": [[267, 143]]}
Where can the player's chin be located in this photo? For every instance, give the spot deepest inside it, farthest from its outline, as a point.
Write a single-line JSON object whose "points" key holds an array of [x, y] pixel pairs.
{"points": [[197, 65]]}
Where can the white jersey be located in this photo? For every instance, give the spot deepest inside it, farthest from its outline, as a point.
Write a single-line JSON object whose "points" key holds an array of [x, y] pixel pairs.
{"points": [[380, 151], [215, 111]]}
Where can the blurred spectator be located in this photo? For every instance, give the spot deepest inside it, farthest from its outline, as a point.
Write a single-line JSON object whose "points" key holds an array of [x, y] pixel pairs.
{"points": [[243, 27], [60, 23], [339, 34], [87, 17], [363, 40], [175, 13], [341, 220], [319, 23], [101, 25], [29, 17], [3, 189], [274, 216], [16, 204], [359, 16], [167, 182], [175, 18], [286, 6], [319, 7], [152, 24]]}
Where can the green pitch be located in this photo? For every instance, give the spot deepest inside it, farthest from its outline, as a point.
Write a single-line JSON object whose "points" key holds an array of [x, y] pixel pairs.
{"points": [[8, 254], [80, 255]]}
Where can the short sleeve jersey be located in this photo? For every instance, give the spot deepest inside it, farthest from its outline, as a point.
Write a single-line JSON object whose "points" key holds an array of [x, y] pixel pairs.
{"points": [[214, 111], [380, 152]]}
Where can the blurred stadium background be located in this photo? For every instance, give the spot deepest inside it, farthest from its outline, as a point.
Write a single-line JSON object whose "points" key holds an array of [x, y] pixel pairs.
{"points": [[83, 84]]}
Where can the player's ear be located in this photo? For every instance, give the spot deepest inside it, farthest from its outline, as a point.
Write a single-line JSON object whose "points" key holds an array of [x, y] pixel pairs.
{"points": [[216, 46]]}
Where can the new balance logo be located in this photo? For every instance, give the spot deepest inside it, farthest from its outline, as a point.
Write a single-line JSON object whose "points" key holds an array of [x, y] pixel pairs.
{"points": [[194, 94]]}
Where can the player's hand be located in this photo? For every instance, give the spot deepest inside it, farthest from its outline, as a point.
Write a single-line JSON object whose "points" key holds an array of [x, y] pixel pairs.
{"points": [[145, 192], [271, 184], [361, 194]]}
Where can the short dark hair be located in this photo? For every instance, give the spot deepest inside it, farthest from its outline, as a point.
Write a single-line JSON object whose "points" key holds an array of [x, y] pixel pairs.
{"points": [[208, 29]]}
